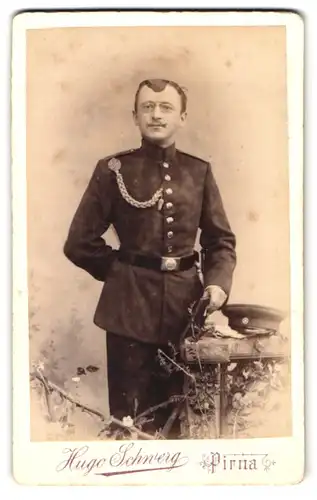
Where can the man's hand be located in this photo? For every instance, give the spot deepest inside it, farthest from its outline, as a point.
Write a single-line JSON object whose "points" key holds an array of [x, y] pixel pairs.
{"points": [[217, 298]]}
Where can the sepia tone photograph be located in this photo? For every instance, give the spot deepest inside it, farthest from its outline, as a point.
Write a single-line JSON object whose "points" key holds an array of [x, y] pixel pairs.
{"points": [[158, 233]]}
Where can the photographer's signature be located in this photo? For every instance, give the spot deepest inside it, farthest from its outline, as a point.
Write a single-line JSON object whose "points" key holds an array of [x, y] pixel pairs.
{"points": [[128, 459]]}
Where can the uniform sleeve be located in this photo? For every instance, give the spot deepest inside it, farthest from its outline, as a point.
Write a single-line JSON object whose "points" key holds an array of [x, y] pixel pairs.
{"points": [[84, 245], [217, 239]]}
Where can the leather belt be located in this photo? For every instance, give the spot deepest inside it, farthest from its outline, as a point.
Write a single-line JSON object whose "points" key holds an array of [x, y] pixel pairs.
{"points": [[168, 264]]}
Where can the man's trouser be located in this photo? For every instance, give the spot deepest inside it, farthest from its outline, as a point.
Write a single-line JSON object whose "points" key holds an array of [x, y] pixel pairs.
{"points": [[137, 380]]}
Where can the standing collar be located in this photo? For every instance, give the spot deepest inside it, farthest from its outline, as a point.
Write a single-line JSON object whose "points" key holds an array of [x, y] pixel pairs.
{"points": [[156, 152]]}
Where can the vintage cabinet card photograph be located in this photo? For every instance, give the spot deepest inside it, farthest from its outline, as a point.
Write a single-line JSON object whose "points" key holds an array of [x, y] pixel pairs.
{"points": [[157, 168]]}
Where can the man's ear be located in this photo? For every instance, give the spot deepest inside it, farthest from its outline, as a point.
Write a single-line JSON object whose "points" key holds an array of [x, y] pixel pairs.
{"points": [[135, 117], [183, 118]]}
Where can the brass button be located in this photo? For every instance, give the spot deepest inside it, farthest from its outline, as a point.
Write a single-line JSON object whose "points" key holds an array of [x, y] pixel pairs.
{"points": [[169, 205], [169, 220], [167, 177], [169, 191], [170, 234], [169, 249], [165, 164]]}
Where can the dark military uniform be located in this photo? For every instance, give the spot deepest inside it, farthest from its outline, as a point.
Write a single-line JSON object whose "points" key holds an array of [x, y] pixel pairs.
{"points": [[156, 199]]}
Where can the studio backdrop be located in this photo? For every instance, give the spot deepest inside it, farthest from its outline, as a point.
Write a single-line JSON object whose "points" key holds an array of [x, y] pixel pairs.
{"points": [[81, 84]]}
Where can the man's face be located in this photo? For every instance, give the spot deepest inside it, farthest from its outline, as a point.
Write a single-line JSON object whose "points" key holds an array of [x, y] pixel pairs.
{"points": [[158, 114]]}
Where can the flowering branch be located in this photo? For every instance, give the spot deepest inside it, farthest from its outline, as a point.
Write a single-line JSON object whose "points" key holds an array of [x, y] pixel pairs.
{"points": [[178, 366], [50, 385]]}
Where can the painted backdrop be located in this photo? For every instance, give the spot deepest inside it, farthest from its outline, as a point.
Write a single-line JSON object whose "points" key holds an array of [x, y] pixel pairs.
{"points": [[80, 91]]}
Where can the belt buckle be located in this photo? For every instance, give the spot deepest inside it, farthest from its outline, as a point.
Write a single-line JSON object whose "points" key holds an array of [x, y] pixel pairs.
{"points": [[169, 264]]}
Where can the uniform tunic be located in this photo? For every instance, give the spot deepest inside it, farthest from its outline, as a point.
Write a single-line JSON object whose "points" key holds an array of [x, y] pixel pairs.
{"points": [[144, 304]]}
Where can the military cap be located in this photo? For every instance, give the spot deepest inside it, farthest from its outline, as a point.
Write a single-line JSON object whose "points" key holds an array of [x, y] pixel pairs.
{"points": [[249, 318]]}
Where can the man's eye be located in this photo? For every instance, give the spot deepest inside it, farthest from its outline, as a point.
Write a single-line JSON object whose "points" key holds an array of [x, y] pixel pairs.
{"points": [[166, 108], [147, 107]]}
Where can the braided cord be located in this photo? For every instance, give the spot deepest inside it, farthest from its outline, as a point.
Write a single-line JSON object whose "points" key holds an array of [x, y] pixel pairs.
{"points": [[135, 203]]}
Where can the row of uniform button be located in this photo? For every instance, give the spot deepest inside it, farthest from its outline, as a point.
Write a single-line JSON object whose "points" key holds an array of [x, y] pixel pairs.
{"points": [[169, 205]]}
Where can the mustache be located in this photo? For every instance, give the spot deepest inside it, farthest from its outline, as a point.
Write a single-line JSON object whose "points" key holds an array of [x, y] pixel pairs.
{"points": [[157, 124]]}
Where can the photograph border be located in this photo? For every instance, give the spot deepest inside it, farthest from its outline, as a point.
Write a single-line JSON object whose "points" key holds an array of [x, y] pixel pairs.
{"points": [[46, 454]]}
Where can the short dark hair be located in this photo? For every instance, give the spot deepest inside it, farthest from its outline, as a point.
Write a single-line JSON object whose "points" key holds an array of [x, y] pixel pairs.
{"points": [[158, 85]]}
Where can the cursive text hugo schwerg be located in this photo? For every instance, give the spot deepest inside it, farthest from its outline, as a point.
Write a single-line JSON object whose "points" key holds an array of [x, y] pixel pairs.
{"points": [[128, 456]]}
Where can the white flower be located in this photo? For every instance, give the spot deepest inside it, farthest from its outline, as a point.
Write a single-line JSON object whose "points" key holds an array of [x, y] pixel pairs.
{"points": [[237, 396], [127, 421], [231, 367]]}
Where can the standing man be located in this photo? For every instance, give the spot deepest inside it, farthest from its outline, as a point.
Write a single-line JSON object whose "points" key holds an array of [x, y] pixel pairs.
{"points": [[156, 197]]}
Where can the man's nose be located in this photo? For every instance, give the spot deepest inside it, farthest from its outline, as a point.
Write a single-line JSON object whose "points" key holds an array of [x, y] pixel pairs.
{"points": [[157, 113]]}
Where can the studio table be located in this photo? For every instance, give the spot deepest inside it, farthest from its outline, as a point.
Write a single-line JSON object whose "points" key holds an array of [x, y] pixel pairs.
{"points": [[216, 354]]}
